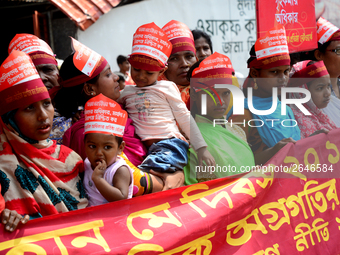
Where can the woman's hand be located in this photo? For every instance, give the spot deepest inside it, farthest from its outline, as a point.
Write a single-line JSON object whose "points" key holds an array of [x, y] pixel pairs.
{"points": [[323, 130], [204, 155], [282, 143], [11, 219], [170, 180]]}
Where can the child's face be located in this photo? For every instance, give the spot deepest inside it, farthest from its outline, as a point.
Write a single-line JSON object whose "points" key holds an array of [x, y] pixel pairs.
{"points": [[102, 147], [144, 78], [320, 90], [215, 111], [122, 84], [125, 66], [35, 120], [107, 84], [267, 79]]}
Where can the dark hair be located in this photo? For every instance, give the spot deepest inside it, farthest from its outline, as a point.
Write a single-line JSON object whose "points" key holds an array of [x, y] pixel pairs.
{"points": [[189, 74], [199, 33], [118, 139], [121, 78], [68, 100], [309, 55], [252, 54], [121, 59], [193, 108], [295, 58]]}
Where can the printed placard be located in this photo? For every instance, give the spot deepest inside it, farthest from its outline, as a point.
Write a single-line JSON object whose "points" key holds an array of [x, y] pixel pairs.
{"points": [[298, 18]]}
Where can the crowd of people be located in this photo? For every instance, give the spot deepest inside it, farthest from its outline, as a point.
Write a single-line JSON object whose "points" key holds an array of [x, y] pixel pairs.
{"points": [[83, 135]]}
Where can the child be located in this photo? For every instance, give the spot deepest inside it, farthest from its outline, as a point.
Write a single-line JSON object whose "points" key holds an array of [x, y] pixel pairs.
{"points": [[155, 106], [314, 77], [107, 176], [121, 80]]}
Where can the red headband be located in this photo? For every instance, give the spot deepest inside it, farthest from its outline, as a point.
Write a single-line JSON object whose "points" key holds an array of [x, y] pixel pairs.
{"points": [[145, 63], [77, 80], [40, 58], [21, 95], [308, 73], [267, 63], [182, 44], [335, 36]]}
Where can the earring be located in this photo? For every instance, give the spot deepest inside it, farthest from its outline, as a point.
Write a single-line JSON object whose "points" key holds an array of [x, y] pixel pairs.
{"points": [[92, 93], [255, 84]]}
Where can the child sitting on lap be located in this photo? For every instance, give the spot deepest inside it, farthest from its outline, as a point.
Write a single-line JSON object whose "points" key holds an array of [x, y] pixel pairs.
{"points": [[107, 176], [155, 106]]}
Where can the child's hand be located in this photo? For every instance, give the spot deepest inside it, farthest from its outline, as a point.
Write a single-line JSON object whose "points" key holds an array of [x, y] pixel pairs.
{"points": [[11, 219], [99, 171], [204, 155]]}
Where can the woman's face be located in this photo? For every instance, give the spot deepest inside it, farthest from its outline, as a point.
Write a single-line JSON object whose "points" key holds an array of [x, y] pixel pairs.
{"points": [[320, 90], [331, 59], [202, 48], [267, 79], [178, 67], [35, 120], [107, 84], [49, 74], [214, 111]]}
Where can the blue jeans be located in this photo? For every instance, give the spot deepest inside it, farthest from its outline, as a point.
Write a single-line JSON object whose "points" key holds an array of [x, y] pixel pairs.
{"points": [[168, 155]]}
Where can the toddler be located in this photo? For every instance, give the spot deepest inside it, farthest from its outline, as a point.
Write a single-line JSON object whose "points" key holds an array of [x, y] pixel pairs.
{"points": [[107, 176], [156, 106]]}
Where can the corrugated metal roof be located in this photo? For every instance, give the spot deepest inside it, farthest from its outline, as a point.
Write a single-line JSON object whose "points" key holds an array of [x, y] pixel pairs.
{"points": [[85, 12]]}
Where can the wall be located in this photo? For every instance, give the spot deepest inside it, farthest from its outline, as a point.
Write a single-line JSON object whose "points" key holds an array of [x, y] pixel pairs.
{"points": [[230, 23]]}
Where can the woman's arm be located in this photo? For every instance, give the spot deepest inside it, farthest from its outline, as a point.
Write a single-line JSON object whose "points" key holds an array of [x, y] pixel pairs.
{"points": [[262, 157], [11, 219]]}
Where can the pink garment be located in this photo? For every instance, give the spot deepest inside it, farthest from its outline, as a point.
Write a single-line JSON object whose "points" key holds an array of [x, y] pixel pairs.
{"points": [[155, 110], [308, 124], [134, 148], [94, 196]]}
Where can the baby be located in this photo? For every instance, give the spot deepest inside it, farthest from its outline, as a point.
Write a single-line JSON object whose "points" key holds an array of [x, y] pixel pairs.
{"points": [[156, 106], [107, 176]]}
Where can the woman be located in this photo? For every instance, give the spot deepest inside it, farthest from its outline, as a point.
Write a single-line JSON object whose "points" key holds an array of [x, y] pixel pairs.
{"points": [[38, 177], [329, 52], [226, 143], [267, 72], [47, 67], [78, 87], [182, 57], [203, 44], [314, 77]]}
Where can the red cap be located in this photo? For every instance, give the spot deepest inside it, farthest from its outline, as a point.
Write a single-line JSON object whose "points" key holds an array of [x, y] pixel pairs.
{"points": [[105, 116], [180, 36], [39, 51], [150, 48], [326, 31], [20, 83]]}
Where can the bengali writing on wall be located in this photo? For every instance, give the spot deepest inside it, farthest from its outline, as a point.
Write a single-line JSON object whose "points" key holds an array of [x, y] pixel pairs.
{"points": [[246, 215], [237, 35]]}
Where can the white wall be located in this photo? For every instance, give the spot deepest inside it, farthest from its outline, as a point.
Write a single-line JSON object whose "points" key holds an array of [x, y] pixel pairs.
{"points": [[227, 21]]}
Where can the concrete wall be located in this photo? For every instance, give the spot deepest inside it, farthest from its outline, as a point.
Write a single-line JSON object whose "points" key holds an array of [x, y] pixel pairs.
{"points": [[231, 26]]}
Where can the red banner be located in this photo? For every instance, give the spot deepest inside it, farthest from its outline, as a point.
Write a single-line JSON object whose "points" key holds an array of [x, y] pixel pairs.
{"points": [[289, 206], [298, 18]]}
